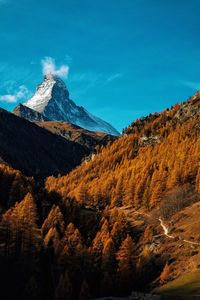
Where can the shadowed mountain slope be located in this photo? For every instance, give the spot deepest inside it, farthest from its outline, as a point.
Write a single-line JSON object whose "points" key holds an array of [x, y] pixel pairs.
{"points": [[71, 132], [34, 150]]}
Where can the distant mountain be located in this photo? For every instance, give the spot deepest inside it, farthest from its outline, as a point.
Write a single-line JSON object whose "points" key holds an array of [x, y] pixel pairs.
{"points": [[34, 150], [52, 101], [71, 132]]}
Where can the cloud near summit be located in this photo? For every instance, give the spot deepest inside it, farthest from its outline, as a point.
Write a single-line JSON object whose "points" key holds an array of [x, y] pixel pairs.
{"points": [[49, 67], [21, 93]]}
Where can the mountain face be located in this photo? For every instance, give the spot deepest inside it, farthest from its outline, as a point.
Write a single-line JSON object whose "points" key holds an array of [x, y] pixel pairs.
{"points": [[52, 101], [34, 150], [29, 114], [71, 132]]}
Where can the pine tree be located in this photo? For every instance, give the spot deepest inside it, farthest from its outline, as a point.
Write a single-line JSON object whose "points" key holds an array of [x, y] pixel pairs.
{"points": [[82, 194], [108, 256], [119, 229], [119, 192], [54, 219], [22, 233], [126, 266]]}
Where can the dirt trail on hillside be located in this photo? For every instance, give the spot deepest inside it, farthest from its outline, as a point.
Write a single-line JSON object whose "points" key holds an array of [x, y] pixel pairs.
{"points": [[166, 233], [165, 229]]}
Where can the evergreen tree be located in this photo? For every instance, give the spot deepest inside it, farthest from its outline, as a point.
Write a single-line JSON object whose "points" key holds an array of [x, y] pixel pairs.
{"points": [[126, 265]]}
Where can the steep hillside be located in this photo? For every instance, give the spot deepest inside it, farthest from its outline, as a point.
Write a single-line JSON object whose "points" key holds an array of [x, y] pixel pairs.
{"points": [[161, 123], [125, 220], [147, 182], [34, 150], [71, 132], [137, 170], [185, 286]]}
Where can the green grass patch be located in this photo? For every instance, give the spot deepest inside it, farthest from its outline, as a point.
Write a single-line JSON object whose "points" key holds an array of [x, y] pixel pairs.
{"points": [[188, 284]]}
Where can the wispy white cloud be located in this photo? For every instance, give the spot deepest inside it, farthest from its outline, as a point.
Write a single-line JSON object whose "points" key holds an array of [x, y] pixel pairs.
{"points": [[191, 84], [81, 83], [49, 67], [21, 93], [91, 79], [8, 98]]}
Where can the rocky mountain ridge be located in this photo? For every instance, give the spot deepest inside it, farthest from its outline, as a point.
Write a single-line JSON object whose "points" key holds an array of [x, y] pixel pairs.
{"points": [[51, 100], [89, 139]]}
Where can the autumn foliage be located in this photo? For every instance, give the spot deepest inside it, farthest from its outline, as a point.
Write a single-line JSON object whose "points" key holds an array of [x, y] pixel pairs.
{"points": [[130, 173], [75, 228]]}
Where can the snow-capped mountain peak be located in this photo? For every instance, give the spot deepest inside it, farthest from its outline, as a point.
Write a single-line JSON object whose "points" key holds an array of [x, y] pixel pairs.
{"points": [[51, 99], [45, 92]]}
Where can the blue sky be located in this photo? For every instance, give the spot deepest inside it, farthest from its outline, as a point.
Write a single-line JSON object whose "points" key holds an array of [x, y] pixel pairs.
{"points": [[126, 58]]}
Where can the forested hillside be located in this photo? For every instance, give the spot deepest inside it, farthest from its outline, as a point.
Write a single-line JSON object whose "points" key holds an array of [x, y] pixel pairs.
{"points": [[151, 158], [117, 223]]}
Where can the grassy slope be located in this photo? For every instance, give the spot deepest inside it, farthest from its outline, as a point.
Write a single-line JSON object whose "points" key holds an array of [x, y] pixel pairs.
{"points": [[188, 284]]}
